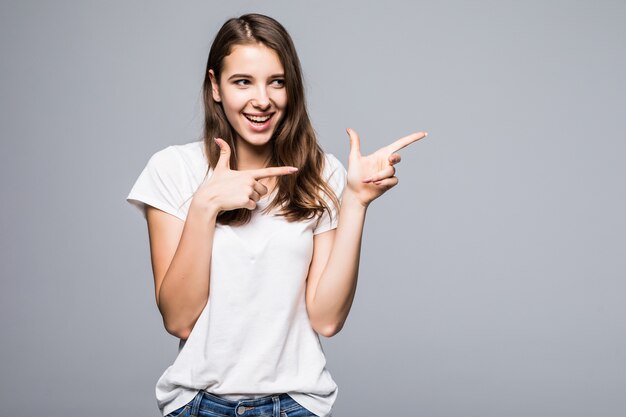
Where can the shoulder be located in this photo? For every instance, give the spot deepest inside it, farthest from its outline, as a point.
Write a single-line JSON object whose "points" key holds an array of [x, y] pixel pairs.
{"points": [[332, 161], [334, 170], [164, 158], [332, 164], [191, 152], [179, 160], [169, 179]]}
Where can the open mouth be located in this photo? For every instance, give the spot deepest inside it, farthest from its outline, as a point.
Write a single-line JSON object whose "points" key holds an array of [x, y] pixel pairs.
{"points": [[258, 119], [259, 122]]}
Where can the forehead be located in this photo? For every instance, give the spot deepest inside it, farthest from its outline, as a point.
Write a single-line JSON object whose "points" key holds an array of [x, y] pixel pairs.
{"points": [[255, 59]]}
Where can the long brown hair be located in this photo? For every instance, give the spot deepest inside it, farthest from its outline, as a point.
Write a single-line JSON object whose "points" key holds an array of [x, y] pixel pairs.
{"points": [[294, 140]]}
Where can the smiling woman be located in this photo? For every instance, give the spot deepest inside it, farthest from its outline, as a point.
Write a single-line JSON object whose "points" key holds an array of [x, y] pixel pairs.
{"points": [[264, 259], [252, 92]]}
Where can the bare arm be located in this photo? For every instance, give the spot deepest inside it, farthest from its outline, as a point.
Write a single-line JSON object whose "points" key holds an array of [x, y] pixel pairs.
{"points": [[181, 264], [336, 257], [332, 279]]}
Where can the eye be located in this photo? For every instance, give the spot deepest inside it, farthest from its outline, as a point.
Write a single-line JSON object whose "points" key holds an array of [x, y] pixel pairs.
{"points": [[241, 82], [279, 82]]}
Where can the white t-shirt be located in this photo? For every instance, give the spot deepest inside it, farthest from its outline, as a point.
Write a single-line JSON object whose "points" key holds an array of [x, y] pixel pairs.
{"points": [[254, 337]]}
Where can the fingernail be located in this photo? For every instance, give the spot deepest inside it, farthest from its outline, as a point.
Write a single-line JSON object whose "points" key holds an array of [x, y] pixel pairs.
{"points": [[425, 133], [367, 179], [293, 169]]}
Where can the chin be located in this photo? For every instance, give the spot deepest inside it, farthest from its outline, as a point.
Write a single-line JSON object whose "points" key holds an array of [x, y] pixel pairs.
{"points": [[253, 138]]}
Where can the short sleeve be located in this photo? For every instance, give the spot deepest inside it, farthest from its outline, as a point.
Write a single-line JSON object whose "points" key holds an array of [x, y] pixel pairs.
{"points": [[336, 176], [162, 184]]}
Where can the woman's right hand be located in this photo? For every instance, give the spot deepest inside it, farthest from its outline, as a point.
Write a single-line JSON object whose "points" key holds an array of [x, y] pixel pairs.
{"points": [[229, 189]]}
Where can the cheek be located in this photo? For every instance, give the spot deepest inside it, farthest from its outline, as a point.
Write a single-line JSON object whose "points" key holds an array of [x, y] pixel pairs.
{"points": [[233, 104], [234, 97], [280, 99]]}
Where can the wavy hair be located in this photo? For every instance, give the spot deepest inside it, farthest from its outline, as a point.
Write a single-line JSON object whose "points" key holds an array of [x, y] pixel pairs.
{"points": [[294, 140]]}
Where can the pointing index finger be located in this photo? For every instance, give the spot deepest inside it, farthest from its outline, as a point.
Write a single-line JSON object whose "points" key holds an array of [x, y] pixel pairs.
{"points": [[272, 171], [406, 141]]}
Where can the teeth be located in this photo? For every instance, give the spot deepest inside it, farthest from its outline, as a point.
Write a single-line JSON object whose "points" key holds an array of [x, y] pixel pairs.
{"points": [[259, 119]]}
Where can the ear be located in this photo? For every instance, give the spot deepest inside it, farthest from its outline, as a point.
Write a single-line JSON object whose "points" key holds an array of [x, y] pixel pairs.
{"points": [[215, 89]]}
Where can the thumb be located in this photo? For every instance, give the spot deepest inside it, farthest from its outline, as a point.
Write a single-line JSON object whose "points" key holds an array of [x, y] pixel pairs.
{"points": [[355, 143], [224, 160]]}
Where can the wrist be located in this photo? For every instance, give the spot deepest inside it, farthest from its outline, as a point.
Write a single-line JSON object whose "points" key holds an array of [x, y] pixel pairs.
{"points": [[205, 204], [350, 199]]}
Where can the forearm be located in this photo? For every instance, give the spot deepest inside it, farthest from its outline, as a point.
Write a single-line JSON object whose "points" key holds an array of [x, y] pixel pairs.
{"points": [[184, 291], [337, 285]]}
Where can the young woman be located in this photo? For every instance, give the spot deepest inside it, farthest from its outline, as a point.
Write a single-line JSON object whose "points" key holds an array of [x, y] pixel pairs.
{"points": [[255, 236]]}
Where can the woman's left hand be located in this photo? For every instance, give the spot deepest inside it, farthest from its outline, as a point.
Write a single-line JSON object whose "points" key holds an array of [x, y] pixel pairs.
{"points": [[370, 176]]}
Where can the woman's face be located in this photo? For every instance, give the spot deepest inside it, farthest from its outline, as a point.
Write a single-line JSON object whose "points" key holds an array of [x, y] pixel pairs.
{"points": [[252, 92]]}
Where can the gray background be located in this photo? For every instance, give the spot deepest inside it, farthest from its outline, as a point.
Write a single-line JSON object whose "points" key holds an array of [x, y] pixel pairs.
{"points": [[492, 278]]}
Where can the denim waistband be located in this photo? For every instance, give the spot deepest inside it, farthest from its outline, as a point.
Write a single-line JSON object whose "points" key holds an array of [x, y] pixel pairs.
{"points": [[270, 405]]}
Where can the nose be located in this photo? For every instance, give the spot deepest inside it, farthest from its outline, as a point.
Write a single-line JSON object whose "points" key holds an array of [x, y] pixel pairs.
{"points": [[261, 98]]}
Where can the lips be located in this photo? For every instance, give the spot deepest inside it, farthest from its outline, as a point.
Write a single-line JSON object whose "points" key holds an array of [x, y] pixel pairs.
{"points": [[257, 118], [259, 122]]}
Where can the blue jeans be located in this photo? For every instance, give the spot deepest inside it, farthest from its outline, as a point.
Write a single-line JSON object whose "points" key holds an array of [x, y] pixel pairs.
{"points": [[205, 404]]}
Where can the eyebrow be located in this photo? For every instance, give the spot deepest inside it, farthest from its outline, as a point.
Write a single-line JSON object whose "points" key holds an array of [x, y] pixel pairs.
{"points": [[250, 76]]}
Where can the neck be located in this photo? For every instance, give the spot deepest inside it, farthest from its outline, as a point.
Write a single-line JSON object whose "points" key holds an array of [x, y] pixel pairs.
{"points": [[251, 156]]}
